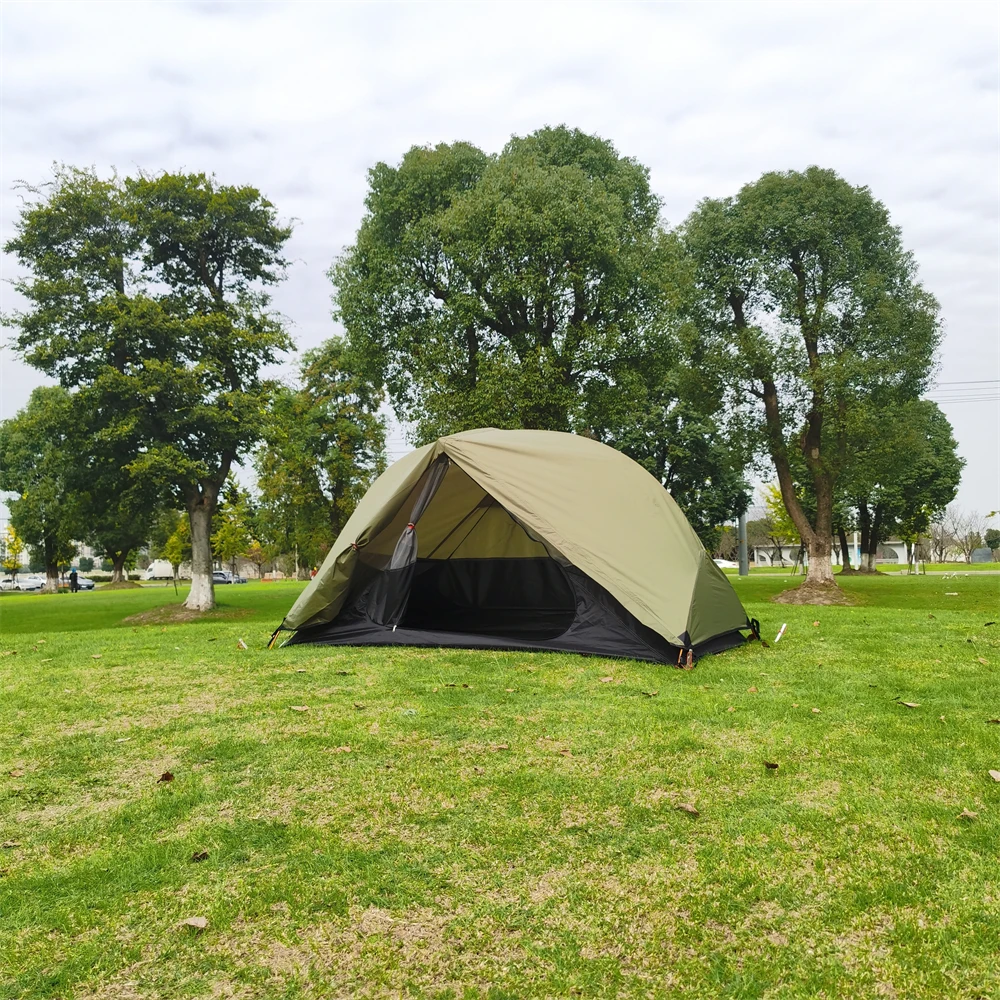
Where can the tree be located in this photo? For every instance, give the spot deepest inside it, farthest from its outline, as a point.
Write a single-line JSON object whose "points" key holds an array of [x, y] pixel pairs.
{"points": [[11, 550], [992, 539], [150, 294], [781, 528], [34, 460], [232, 536], [177, 548], [324, 445], [515, 290], [814, 310], [904, 473], [966, 528]]}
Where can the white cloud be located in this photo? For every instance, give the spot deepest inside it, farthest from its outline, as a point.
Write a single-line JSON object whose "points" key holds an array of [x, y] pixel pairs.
{"points": [[300, 99]]}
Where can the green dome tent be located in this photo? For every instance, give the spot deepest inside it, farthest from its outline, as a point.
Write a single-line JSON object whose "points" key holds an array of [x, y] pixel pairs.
{"points": [[538, 540]]}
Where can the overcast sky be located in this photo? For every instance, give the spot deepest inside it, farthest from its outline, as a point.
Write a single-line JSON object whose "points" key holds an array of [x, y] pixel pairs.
{"points": [[300, 99]]}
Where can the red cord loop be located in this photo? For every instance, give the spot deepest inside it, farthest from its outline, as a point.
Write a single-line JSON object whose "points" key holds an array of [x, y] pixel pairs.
{"points": [[410, 526]]}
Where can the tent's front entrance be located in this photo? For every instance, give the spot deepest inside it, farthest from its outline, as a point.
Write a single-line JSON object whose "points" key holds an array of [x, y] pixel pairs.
{"points": [[475, 577]]}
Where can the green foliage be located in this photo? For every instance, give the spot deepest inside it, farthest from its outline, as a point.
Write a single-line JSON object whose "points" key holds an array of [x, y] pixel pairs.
{"points": [[814, 313], [150, 294], [233, 524], [323, 446], [905, 470], [86, 564], [510, 290], [177, 546], [992, 539], [36, 456], [11, 548]]}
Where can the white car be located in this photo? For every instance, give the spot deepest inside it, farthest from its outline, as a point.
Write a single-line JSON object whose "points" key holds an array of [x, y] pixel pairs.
{"points": [[726, 564], [30, 582]]}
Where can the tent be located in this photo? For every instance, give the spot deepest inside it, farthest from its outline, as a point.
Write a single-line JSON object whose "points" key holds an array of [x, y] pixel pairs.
{"points": [[534, 540]]}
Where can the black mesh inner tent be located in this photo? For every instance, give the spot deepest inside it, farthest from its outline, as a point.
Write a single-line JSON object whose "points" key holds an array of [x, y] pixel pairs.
{"points": [[516, 598]]}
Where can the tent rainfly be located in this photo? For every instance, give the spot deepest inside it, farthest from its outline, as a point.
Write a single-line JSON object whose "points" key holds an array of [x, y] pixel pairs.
{"points": [[533, 540]]}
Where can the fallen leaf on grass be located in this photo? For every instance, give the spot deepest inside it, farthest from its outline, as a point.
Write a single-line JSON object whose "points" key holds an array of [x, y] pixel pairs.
{"points": [[300, 670], [466, 685], [8, 844], [816, 710], [650, 694], [993, 722], [198, 923], [299, 708], [499, 746], [509, 690], [95, 656], [199, 856], [123, 739], [732, 708], [985, 625], [16, 774], [565, 753], [42, 641], [770, 765], [687, 808], [983, 660], [795, 705], [968, 815], [910, 704], [605, 680], [995, 775], [951, 593], [450, 685], [9, 652], [166, 776], [346, 748], [48, 659], [359, 706], [815, 624], [241, 644], [751, 690]]}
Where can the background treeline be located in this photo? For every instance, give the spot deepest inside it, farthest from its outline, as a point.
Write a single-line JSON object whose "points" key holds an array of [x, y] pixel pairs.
{"points": [[781, 331]]}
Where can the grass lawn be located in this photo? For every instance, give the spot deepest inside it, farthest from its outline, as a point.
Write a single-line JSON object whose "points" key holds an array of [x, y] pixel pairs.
{"points": [[502, 825]]}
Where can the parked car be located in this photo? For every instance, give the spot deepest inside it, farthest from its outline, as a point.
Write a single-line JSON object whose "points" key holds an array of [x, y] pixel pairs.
{"points": [[224, 576], [84, 584], [7, 583], [32, 581]]}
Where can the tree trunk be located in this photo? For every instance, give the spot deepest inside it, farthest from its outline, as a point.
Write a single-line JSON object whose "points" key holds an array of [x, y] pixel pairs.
{"points": [[51, 578], [820, 571], [118, 574], [201, 597], [845, 551], [874, 538]]}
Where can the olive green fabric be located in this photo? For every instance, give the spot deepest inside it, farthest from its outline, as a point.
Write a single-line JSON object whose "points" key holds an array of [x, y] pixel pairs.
{"points": [[572, 497]]}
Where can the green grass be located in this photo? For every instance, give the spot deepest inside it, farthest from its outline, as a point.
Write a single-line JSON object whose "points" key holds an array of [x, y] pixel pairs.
{"points": [[515, 837]]}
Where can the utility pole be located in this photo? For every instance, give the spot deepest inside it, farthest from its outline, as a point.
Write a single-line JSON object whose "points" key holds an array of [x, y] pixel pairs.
{"points": [[741, 537]]}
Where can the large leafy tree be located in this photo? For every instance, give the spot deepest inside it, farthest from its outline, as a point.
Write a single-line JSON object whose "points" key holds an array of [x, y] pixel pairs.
{"points": [[816, 313], [512, 290], [323, 446], [663, 415], [904, 472], [36, 456], [150, 294]]}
